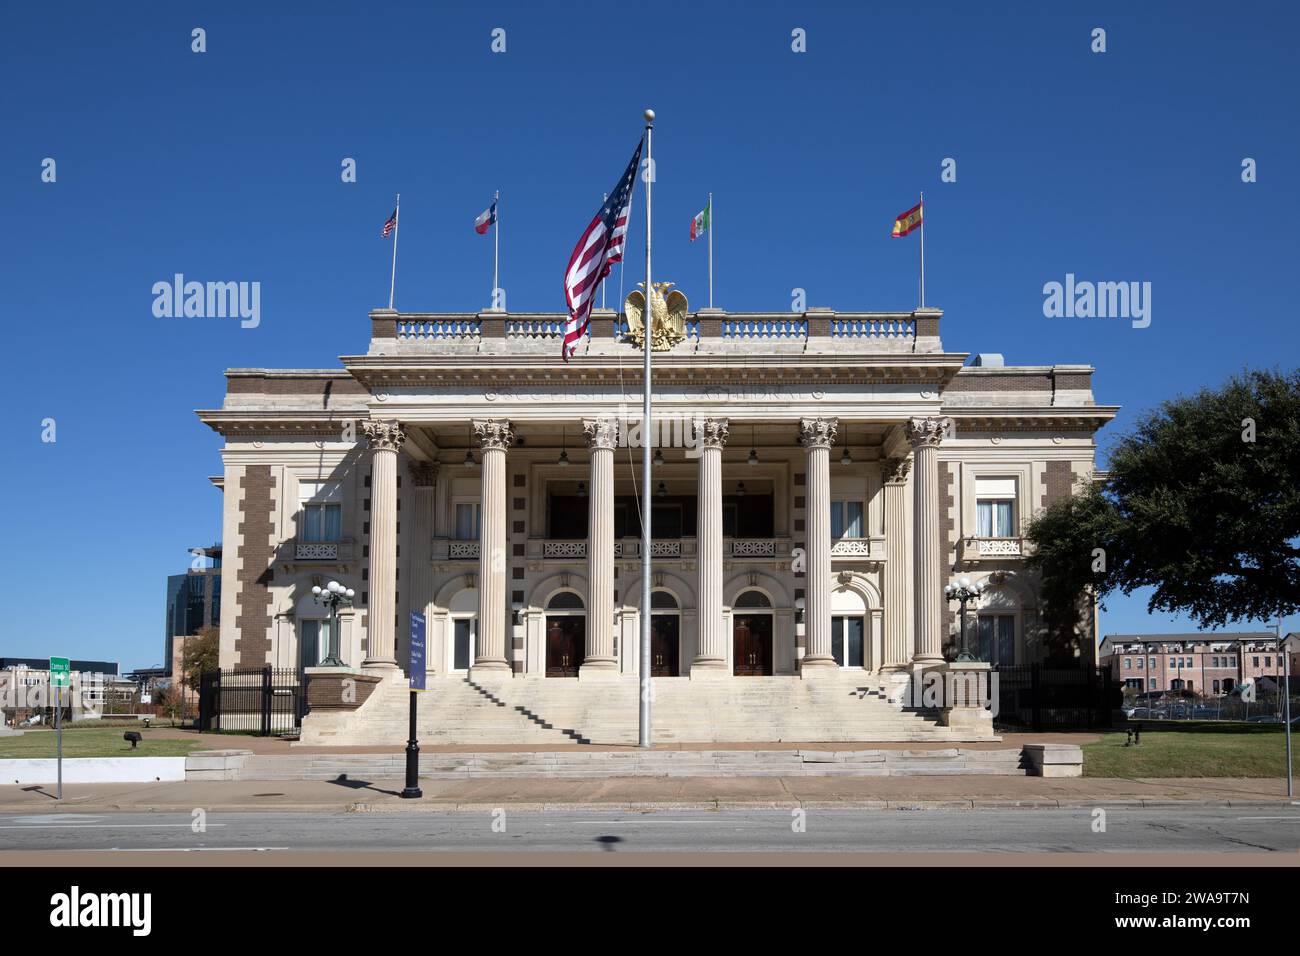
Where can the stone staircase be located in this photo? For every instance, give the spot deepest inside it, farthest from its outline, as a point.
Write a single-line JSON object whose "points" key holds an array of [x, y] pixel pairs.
{"points": [[541, 711], [578, 764]]}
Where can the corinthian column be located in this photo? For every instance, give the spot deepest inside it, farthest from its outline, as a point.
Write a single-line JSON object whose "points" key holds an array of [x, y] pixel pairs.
{"points": [[386, 440], [898, 606], [925, 435], [602, 439], [711, 648], [424, 479], [817, 435], [490, 654]]}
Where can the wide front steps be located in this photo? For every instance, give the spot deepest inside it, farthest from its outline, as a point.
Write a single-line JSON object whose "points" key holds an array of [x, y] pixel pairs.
{"points": [[578, 764], [539, 711]]}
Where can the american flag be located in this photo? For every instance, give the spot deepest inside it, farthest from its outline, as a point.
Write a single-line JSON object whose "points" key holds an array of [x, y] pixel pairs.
{"points": [[599, 248], [389, 226]]}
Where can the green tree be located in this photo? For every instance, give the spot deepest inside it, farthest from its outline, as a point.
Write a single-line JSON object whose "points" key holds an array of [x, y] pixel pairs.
{"points": [[202, 652], [1201, 504]]}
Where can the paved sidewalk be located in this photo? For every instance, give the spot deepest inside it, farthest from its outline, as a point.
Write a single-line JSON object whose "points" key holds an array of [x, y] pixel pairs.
{"points": [[654, 793]]}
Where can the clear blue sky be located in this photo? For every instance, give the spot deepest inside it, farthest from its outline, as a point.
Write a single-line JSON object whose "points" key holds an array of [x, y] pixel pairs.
{"points": [[225, 166]]}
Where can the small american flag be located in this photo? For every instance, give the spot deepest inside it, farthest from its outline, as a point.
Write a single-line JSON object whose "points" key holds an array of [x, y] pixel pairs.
{"points": [[389, 226], [599, 248]]}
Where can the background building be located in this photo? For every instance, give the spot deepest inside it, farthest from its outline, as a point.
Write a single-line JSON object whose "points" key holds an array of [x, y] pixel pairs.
{"points": [[1209, 663], [193, 600]]}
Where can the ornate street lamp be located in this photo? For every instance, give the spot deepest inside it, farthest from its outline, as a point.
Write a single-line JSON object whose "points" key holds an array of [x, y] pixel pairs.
{"points": [[963, 591], [333, 596]]}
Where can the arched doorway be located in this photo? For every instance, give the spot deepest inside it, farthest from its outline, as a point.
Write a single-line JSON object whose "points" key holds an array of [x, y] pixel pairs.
{"points": [[665, 635], [566, 634], [751, 635]]}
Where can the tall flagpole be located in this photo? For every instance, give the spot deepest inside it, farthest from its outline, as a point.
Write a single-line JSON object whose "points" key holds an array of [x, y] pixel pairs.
{"points": [[620, 270], [922, 205], [710, 250], [646, 497], [397, 221], [496, 246]]}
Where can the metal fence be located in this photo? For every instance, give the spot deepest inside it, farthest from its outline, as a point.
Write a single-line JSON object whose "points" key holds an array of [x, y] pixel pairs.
{"points": [[1047, 697], [1265, 708], [262, 700]]}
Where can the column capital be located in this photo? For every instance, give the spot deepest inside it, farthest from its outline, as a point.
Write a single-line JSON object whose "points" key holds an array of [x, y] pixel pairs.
{"points": [[384, 435], [894, 471], [711, 432], [928, 432], [600, 432], [424, 474], [818, 432], [494, 434]]}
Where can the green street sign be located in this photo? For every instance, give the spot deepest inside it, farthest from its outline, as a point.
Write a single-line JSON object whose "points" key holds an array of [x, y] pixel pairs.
{"points": [[60, 672]]}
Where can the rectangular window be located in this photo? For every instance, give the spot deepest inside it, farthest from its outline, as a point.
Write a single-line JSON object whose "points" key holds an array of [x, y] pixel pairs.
{"points": [[322, 522], [1139, 663], [467, 521], [846, 519], [461, 650], [995, 507], [997, 638], [313, 642], [1152, 662], [847, 641], [1128, 663]]}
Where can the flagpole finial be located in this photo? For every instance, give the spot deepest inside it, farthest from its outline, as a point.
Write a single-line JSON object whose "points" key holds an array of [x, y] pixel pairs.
{"points": [[649, 116]]}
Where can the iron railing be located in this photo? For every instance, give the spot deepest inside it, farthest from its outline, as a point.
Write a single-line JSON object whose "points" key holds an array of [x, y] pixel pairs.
{"points": [[263, 700]]}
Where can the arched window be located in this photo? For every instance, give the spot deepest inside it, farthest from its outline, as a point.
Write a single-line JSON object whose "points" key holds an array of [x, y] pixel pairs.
{"points": [[663, 600], [565, 601], [753, 599]]}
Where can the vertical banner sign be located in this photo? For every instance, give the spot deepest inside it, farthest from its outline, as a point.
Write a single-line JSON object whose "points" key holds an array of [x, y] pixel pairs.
{"points": [[417, 651]]}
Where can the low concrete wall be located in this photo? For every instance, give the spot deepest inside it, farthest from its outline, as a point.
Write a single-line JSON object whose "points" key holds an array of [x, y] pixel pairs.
{"points": [[216, 764], [93, 770], [1054, 760]]}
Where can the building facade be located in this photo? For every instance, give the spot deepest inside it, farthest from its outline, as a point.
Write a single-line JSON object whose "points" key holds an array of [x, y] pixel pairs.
{"points": [[1210, 664], [193, 601], [818, 478]]}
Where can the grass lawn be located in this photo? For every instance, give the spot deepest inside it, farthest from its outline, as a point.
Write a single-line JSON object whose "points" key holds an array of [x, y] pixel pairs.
{"points": [[1192, 749], [92, 742]]}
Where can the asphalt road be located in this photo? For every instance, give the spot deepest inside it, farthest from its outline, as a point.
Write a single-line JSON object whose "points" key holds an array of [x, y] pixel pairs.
{"points": [[1194, 829]]}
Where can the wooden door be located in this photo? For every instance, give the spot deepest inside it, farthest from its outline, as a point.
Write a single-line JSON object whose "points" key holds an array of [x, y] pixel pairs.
{"points": [[664, 645], [752, 645], [565, 645]]}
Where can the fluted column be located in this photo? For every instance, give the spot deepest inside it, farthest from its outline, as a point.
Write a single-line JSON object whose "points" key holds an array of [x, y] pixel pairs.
{"points": [[602, 439], [817, 435], [386, 440], [495, 436], [424, 482], [711, 647], [925, 435], [898, 606]]}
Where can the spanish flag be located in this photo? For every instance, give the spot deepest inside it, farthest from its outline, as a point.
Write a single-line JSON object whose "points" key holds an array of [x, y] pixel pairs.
{"points": [[907, 221]]}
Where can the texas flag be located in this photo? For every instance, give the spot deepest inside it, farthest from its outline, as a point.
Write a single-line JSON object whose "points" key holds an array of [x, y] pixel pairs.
{"points": [[485, 219]]}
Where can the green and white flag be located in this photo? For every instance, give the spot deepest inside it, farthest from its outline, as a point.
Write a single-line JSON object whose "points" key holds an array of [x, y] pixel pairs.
{"points": [[700, 224]]}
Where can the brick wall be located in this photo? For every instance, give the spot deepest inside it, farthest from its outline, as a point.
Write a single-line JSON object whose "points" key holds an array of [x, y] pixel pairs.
{"points": [[1058, 482], [253, 619]]}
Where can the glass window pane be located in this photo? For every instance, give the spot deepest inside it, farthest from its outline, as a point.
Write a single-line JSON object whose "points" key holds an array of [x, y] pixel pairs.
{"points": [[837, 519], [853, 526], [460, 652], [837, 640], [854, 641], [332, 528], [1003, 528], [465, 530], [1006, 639], [984, 519], [311, 523], [984, 644]]}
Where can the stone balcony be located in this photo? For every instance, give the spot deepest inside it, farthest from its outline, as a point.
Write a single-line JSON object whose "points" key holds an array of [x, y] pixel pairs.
{"points": [[975, 549], [708, 330]]}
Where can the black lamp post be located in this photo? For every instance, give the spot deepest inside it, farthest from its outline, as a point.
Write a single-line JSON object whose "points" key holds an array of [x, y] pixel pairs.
{"points": [[334, 596], [963, 591]]}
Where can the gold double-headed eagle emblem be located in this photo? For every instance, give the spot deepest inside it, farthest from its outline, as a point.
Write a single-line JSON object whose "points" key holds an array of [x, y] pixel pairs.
{"points": [[667, 317]]}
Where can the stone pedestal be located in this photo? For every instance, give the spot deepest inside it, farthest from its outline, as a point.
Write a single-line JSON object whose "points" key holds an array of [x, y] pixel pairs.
{"points": [[966, 697], [337, 688]]}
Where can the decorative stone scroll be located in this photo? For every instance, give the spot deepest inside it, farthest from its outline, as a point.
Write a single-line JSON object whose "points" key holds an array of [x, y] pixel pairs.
{"points": [[894, 471], [494, 434], [929, 432], [424, 474], [601, 432], [711, 432]]}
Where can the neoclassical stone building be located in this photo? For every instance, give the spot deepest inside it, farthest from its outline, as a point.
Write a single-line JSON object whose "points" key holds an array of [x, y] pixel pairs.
{"points": [[818, 479]]}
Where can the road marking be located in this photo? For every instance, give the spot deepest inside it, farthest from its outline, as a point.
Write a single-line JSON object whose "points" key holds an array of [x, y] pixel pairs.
{"points": [[1292, 819], [104, 826], [187, 849]]}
